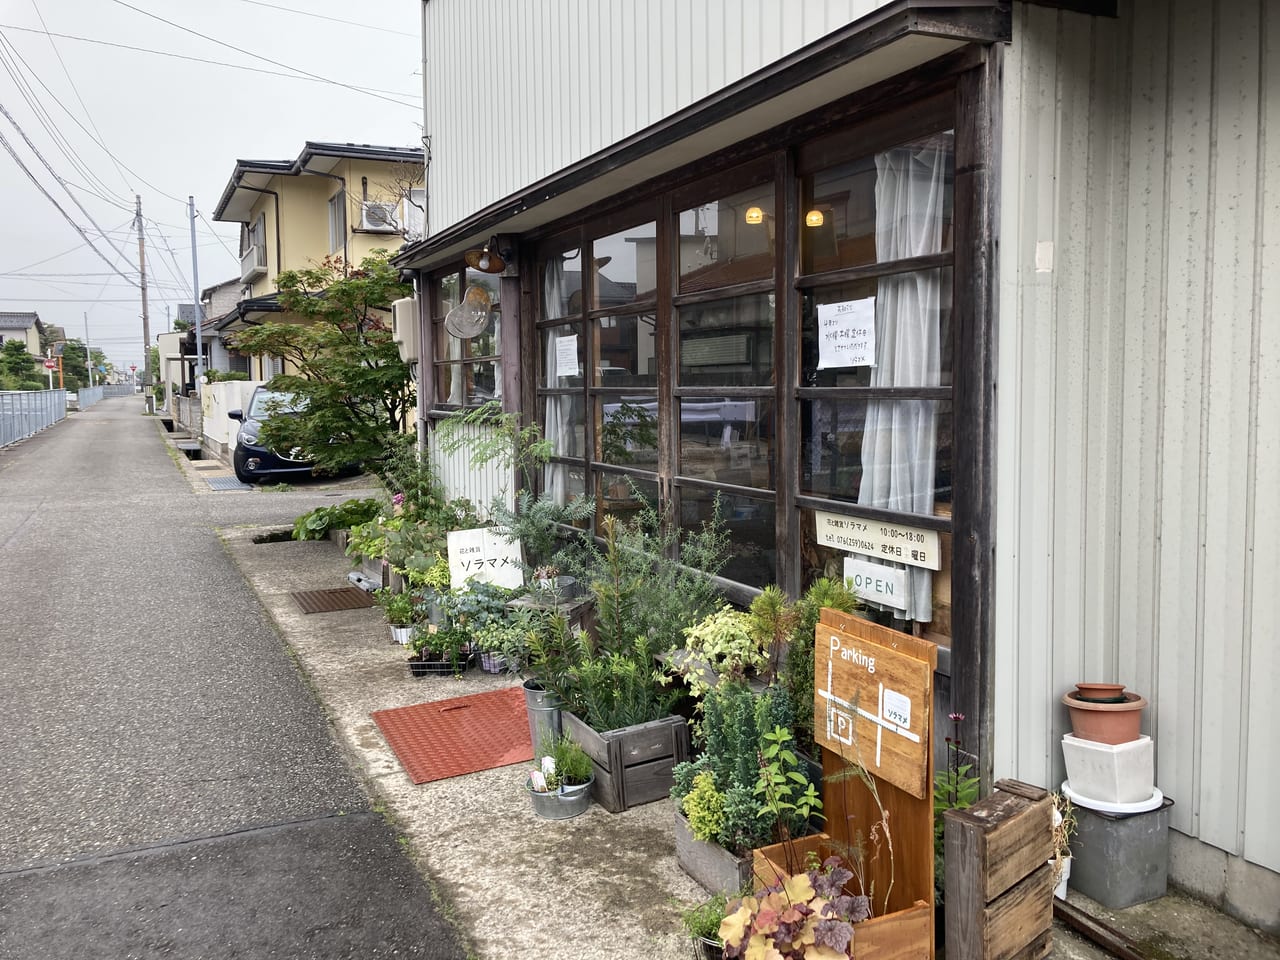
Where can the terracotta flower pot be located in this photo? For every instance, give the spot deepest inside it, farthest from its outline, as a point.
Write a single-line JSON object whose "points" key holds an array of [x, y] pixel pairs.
{"points": [[1106, 722]]}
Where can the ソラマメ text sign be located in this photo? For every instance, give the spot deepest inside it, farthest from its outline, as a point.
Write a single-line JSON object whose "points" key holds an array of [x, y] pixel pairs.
{"points": [[873, 704]]}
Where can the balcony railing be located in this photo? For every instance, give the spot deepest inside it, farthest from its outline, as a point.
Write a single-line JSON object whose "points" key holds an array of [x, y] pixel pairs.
{"points": [[253, 263]]}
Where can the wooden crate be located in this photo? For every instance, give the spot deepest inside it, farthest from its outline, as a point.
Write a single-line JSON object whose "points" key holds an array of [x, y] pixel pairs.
{"points": [[905, 934], [714, 867], [633, 764], [999, 886]]}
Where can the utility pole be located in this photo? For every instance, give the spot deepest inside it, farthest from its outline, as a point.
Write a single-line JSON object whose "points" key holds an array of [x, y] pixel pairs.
{"points": [[142, 278], [88, 361], [195, 295]]}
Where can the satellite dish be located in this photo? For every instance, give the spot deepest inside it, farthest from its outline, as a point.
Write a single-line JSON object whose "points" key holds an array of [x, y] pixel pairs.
{"points": [[471, 316]]}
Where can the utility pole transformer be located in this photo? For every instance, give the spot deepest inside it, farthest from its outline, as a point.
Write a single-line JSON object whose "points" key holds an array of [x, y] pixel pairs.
{"points": [[142, 279]]}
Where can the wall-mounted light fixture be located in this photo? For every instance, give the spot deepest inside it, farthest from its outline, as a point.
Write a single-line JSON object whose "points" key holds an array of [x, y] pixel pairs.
{"points": [[487, 259], [754, 215], [814, 218]]}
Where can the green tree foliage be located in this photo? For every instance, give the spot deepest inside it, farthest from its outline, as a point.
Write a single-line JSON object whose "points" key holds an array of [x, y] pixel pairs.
{"points": [[353, 388], [18, 370]]}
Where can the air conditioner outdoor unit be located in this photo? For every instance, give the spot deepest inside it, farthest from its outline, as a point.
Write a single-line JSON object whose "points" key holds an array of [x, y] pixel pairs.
{"points": [[404, 328], [379, 217]]}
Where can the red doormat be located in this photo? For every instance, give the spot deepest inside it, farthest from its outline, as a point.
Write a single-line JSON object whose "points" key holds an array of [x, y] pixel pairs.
{"points": [[447, 738]]}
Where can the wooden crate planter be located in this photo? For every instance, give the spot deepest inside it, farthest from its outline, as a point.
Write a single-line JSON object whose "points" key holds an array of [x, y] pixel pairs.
{"points": [[905, 934], [999, 885], [632, 764], [718, 870]]}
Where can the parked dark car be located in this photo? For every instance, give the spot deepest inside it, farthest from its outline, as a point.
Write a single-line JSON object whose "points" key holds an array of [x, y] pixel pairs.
{"points": [[253, 461]]}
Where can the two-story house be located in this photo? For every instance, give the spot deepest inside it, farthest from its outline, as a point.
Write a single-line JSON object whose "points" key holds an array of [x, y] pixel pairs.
{"points": [[988, 280], [333, 199], [21, 326]]}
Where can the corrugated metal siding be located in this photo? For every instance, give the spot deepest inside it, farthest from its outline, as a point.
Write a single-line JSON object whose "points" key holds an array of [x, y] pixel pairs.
{"points": [[514, 98], [461, 478], [1139, 432]]}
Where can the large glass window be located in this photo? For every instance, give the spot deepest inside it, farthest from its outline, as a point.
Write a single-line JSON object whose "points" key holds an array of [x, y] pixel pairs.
{"points": [[728, 241], [728, 342], [466, 329], [876, 357]]}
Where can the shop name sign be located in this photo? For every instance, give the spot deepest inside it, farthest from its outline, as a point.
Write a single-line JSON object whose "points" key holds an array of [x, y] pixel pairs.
{"points": [[913, 546], [872, 704], [484, 554]]}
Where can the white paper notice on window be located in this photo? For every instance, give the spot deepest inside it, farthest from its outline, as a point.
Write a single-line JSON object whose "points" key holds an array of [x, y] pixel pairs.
{"points": [[847, 334], [567, 356]]}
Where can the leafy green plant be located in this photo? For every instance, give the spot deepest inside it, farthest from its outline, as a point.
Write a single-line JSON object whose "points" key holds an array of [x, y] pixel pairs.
{"points": [[785, 792], [316, 524], [773, 622], [355, 390], [733, 719], [723, 642], [616, 688], [954, 788], [797, 671], [703, 806], [397, 607], [572, 765], [537, 523], [627, 428], [369, 539], [703, 920]]}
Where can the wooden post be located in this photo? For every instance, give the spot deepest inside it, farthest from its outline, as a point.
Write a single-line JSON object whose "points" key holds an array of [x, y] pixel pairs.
{"points": [[999, 882]]}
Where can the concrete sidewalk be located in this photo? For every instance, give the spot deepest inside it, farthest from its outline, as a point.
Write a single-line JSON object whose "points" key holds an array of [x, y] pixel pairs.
{"points": [[599, 886]]}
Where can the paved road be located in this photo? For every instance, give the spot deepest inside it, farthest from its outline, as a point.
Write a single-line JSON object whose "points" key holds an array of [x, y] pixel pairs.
{"points": [[168, 783]]}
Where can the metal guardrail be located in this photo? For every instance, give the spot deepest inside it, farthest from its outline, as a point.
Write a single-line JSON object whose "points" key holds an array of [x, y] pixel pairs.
{"points": [[27, 412], [89, 396], [119, 390]]}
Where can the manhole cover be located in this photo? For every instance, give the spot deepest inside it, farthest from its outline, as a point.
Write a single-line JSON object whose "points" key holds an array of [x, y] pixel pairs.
{"points": [[327, 601], [227, 483]]}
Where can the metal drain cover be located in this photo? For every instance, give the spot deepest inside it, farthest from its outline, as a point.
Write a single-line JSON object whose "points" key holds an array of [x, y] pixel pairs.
{"points": [[327, 601], [227, 483]]}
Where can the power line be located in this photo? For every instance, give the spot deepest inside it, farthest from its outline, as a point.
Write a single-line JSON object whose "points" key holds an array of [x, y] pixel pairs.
{"points": [[249, 53], [220, 63], [102, 146], [74, 89], [321, 16], [215, 235], [54, 173], [71, 249], [9, 56], [48, 196]]}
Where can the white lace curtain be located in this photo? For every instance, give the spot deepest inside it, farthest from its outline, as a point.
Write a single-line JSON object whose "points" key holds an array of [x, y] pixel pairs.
{"points": [[899, 441]]}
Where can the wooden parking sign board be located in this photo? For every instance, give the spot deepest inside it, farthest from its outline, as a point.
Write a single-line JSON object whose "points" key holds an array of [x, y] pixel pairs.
{"points": [[873, 701]]}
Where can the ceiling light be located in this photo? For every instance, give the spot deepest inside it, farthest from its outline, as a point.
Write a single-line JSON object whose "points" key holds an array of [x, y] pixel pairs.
{"points": [[814, 218], [755, 215]]}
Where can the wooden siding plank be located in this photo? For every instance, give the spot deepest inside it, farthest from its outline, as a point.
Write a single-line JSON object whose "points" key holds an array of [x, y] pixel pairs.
{"points": [[1262, 839], [1234, 178], [1181, 621]]}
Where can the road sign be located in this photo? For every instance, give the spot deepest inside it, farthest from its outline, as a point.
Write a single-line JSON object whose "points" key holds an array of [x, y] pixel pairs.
{"points": [[51, 364], [133, 368]]}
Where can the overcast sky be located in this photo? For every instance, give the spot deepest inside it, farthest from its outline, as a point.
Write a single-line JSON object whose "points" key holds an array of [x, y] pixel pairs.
{"points": [[167, 127]]}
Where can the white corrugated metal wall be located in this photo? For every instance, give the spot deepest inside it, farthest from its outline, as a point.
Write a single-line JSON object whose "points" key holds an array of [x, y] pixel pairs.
{"points": [[461, 478], [1139, 396], [549, 82]]}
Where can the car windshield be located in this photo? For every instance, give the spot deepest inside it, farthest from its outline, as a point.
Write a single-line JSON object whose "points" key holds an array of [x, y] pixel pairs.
{"points": [[265, 403]]}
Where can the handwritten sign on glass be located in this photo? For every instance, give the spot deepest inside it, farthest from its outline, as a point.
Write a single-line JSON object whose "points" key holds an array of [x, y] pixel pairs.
{"points": [[847, 334]]}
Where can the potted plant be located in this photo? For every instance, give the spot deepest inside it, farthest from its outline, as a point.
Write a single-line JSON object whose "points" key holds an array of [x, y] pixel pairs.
{"points": [[1064, 827], [722, 645], [399, 609], [954, 788], [560, 785], [720, 816], [801, 917], [702, 922], [796, 672]]}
